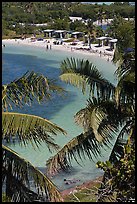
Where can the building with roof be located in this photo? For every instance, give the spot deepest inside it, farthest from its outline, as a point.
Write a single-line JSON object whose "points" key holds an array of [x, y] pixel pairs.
{"points": [[102, 40], [60, 33], [77, 34], [113, 43], [48, 33]]}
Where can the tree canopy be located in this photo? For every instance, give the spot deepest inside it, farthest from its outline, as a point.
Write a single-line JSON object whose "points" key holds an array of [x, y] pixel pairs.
{"points": [[14, 13]]}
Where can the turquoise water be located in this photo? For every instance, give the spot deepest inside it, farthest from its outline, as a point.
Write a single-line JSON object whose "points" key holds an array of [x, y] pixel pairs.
{"points": [[16, 60]]}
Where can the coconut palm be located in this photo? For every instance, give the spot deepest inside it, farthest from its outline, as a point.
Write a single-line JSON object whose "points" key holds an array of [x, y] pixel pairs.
{"points": [[110, 110], [21, 181], [91, 32], [108, 117], [101, 15]]}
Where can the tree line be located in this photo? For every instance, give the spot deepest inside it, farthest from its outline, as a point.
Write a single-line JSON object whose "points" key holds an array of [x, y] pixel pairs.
{"points": [[56, 14]]}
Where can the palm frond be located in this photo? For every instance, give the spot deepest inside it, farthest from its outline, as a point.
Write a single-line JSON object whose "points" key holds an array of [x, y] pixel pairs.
{"points": [[84, 74], [22, 182], [81, 146], [102, 116], [118, 150], [102, 120], [128, 130], [27, 88], [126, 65], [125, 90], [75, 80], [54, 87], [29, 128]]}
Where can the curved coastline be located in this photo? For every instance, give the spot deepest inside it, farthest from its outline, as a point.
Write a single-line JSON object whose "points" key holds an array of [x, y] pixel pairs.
{"points": [[62, 48], [100, 52]]}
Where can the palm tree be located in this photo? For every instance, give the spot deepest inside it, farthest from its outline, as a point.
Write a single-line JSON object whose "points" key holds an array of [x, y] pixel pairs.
{"points": [[21, 181], [91, 32], [101, 15], [109, 114]]}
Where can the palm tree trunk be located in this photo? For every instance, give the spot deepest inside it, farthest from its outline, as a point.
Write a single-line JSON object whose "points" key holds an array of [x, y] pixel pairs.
{"points": [[89, 42]]}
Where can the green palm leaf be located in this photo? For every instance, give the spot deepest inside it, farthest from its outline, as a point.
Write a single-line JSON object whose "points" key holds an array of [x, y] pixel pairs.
{"points": [[125, 90], [82, 73], [24, 182], [126, 63], [29, 128], [75, 80], [102, 116], [128, 130], [83, 145], [27, 88], [101, 120]]}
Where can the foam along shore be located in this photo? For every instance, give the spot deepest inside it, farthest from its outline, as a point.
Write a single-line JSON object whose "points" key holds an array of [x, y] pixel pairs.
{"points": [[103, 52]]}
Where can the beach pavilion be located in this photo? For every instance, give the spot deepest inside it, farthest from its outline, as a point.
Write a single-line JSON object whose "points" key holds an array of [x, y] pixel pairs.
{"points": [[102, 39], [77, 34], [48, 32], [112, 43], [60, 33]]}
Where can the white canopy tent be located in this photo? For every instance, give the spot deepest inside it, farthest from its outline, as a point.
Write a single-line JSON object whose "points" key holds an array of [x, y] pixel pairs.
{"points": [[76, 34], [113, 40], [101, 39], [60, 32], [50, 32], [113, 43]]}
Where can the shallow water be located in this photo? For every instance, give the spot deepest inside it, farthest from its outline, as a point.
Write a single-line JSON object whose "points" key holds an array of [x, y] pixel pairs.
{"points": [[16, 60]]}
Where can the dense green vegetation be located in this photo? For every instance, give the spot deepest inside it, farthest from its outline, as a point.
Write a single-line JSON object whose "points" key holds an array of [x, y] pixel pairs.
{"points": [[109, 111], [56, 15]]}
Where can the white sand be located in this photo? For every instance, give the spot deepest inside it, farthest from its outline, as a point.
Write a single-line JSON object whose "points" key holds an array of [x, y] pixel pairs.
{"points": [[64, 47]]}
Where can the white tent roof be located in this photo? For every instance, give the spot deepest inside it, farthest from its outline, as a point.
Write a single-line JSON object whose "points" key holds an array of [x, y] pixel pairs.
{"points": [[102, 38], [113, 40], [60, 31], [48, 30], [75, 33]]}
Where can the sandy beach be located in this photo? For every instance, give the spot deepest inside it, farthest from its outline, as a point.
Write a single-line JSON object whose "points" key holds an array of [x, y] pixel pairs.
{"points": [[79, 48]]}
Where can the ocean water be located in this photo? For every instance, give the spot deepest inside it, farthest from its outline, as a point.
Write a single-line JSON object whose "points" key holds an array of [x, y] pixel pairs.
{"points": [[16, 60]]}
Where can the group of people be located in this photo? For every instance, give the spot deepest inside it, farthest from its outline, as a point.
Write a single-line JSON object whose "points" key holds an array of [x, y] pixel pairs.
{"points": [[71, 181]]}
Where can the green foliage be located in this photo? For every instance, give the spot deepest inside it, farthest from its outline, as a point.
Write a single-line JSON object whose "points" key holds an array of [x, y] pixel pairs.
{"points": [[120, 178], [21, 180], [77, 26], [49, 12], [5, 198], [60, 24]]}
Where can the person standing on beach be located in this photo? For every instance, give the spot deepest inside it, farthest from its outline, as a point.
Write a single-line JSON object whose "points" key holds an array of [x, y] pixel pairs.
{"points": [[47, 47]]}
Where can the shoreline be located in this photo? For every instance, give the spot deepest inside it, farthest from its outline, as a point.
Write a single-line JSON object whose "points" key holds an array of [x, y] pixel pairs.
{"points": [[87, 184], [100, 52]]}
